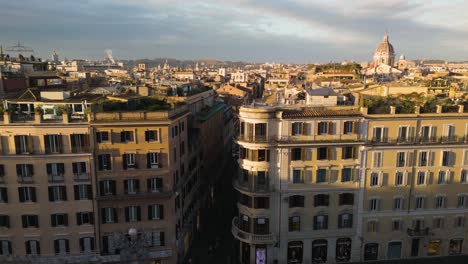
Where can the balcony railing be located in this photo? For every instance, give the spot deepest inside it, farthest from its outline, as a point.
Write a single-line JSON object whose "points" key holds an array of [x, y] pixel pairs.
{"points": [[299, 138], [252, 187], [82, 176], [56, 178], [80, 149], [25, 179], [22, 117], [420, 140], [138, 195], [250, 237], [418, 232]]}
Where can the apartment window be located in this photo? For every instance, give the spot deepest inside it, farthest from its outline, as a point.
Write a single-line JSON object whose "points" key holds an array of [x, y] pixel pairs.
{"points": [[442, 179], [24, 170], [371, 251], [427, 133], [377, 159], [397, 203], [349, 127], [79, 168], [433, 248], [455, 246], [84, 218], [424, 158], [155, 212], [440, 201], [155, 184], [33, 247], [463, 176], [319, 251], [128, 161], [372, 226], [245, 200], [346, 174], [4, 221], [374, 179], [5, 248], [322, 128], [57, 193], [345, 220], [420, 202], [261, 179], [27, 194], [79, 142], [55, 169], [297, 128], [108, 246], [107, 187], [348, 152], [448, 158], [374, 204], [380, 134], [298, 176], [30, 221], [322, 153], [401, 159], [131, 186], [346, 199], [421, 180], [53, 144], [261, 226], [260, 130], [403, 134], [4, 195], [61, 246], [86, 245], [109, 215], [296, 154], [294, 223], [151, 135], [102, 136], [399, 178], [438, 223], [296, 201], [459, 221], [104, 162], [152, 160], [2, 171], [132, 214], [321, 176], [126, 136], [58, 220], [397, 225], [461, 201], [23, 144], [449, 132], [321, 200], [320, 222], [158, 239], [83, 191], [261, 202]]}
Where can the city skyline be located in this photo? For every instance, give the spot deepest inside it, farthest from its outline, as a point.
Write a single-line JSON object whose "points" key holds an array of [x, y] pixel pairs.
{"points": [[254, 31]]}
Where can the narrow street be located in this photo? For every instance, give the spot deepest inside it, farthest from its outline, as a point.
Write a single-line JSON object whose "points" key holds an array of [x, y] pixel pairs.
{"points": [[217, 229]]}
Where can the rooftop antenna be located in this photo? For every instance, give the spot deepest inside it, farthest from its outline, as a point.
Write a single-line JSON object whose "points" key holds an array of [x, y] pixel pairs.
{"points": [[19, 48]]}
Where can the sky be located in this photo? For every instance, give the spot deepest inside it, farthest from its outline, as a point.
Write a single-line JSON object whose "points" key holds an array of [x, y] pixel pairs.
{"points": [[288, 31]]}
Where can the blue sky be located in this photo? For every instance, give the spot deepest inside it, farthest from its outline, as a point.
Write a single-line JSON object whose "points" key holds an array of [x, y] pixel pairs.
{"points": [[250, 30]]}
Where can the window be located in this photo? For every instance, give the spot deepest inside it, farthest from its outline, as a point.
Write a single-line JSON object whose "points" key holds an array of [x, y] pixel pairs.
{"points": [[126, 136], [27, 194], [374, 204], [433, 248], [377, 159], [401, 159], [104, 162], [158, 239], [322, 153], [321, 200], [79, 168], [448, 133], [394, 250], [107, 187], [298, 176], [371, 251], [131, 186], [349, 127], [345, 220], [4, 195], [461, 202], [263, 155], [260, 130], [397, 203], [79, 143], [55, 169], [155, 212], [346, 199], [57, 193], [2, 171], [440, 201], [420, 202], [30, 221], [132, 214], [372, 226], [296, 154], [459, 221], [442, 179], [4, 221], [424, 158], [421, 180], [438, 223], [296, 129], [321, 176], [380, 134], [109, 215], [295, 252], [403, 134], [397, 225], [320, 222], [322, 128], [61, 246], [319, 251], [57, 220], [24, 171], [155, 185], [296, 201], [261, 226], [102, 136], [86, 245], [23, 144], [151, 135], [33, 247], [294, 223], [128, 161], [53, 144], [152, 160], [343, 249], [427, 133], [399, 178], [455, 246], [348, 152], [261, 202], [83, 191], [346, 174], [5, 248], [463, 176], [84, 218], [374, 179], [448, 158]]}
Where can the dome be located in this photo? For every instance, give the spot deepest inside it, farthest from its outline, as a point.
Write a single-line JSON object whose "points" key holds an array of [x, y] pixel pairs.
{"points": [[385, 46], [402, 57]]}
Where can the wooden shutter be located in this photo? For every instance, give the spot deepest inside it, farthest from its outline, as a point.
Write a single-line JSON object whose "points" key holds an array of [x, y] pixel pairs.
{"points": [[76, 189], [100, 162], [51, 193], [30, 144], [53, 220], [103, 215], [124, 161]]}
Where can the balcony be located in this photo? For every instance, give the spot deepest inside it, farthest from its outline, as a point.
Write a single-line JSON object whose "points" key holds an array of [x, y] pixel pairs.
{"points": [[84, 176], [25, 179], [135, 196], [418, 232], [80, 149], [251, 187], [257, 138], [286, 139], [249, 237], [56, 178], [419, 140]]}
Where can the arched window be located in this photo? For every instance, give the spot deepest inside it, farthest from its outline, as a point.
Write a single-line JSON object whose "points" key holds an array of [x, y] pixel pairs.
{"points": [[295, 249], [319, 251], [343, 249], [371, 251]]}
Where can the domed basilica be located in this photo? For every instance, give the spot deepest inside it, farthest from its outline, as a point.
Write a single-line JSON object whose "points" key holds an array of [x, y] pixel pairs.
{"points": [[384, 59]]}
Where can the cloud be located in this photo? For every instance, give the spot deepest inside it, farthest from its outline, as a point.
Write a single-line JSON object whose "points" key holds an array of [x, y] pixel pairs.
{"points": [[251, 30]]}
